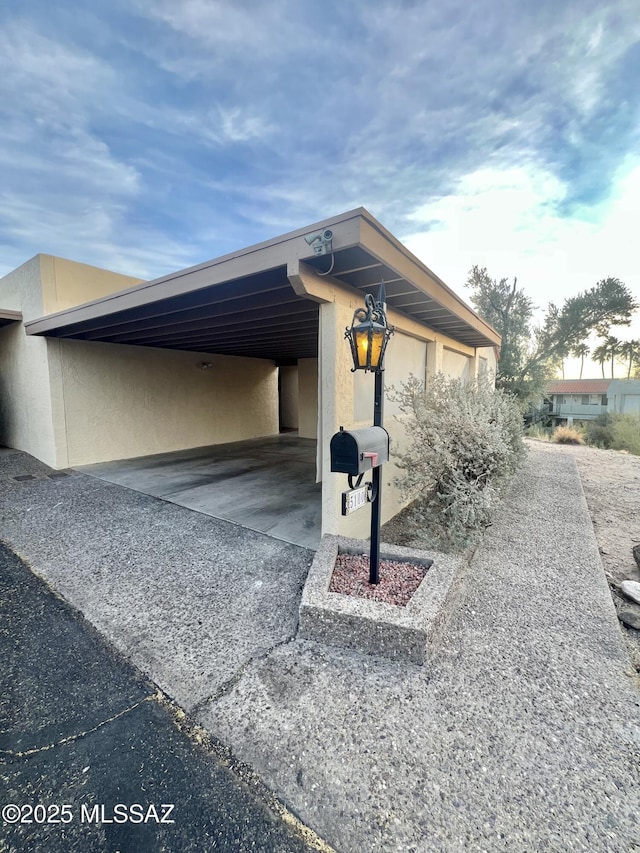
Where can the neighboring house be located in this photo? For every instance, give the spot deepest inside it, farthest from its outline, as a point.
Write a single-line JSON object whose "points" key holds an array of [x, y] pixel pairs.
{"points": [[97, 366], [570, 400]]}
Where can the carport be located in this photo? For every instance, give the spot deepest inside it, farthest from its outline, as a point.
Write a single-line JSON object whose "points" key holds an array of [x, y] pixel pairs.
{"points": [[192, 359], [266, 484]]}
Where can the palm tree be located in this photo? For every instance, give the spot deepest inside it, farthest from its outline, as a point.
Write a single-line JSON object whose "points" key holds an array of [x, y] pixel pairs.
{"points": [[608, 349], [613, 345], [580, 351], [629, 352]]}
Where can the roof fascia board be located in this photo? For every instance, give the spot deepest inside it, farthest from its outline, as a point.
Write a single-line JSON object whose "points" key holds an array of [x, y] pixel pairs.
{"points": [[380, 243], [250, 261], [308, 283], [10, 316]]}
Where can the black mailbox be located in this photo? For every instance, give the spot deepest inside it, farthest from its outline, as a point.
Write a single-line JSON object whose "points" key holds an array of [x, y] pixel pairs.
{"points": [[359, 450]]}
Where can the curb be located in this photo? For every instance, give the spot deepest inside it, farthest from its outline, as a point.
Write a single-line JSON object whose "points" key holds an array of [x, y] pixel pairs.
{"points": [[408, 633]]}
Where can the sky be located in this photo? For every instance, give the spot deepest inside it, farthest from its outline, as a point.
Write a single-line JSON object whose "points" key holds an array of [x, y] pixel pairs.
{"points": [[145, 136]]}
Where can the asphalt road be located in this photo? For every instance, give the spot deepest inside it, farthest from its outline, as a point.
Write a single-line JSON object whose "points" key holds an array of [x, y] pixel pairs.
{"points": [[94, 758]]}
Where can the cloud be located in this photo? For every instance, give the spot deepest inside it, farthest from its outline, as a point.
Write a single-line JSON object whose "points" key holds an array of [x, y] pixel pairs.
{"points": [[511, 222], [237, 27], [480, 131], [40, 73], [399, 100], [93, 235]]}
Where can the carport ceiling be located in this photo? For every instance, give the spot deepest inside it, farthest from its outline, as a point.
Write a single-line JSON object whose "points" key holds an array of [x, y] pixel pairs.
{"points": [[244, 304], [257, 315], [363, 271]]}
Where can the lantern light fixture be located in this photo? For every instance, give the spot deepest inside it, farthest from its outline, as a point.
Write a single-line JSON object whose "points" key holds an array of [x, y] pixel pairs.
{"points": [[369, 334]]}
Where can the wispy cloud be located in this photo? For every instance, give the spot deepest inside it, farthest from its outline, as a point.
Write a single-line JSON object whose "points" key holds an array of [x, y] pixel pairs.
{"points": [[512, 223], [201, 126]]}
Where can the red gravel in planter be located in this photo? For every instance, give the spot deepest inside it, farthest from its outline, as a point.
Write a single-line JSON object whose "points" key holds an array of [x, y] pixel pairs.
{"points": [[398, 581]]}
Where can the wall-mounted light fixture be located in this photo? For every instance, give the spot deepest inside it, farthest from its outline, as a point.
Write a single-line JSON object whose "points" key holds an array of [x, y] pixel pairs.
{"points": [[205, 365]]}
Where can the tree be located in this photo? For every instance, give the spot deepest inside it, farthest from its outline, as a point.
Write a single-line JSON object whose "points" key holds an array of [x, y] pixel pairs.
{"points": [[611, 348], [508, 310], [600, 355], [528, 355], [580, 351], [629, 353]]}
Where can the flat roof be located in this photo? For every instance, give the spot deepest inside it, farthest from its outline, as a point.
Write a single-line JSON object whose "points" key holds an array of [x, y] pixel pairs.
{"points": [[8, 316], [244, 304]]}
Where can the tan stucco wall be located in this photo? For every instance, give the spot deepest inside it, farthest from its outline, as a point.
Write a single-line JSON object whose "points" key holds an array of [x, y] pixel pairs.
{"points": [[308, 397], [289, 396], [347, 399], [68, 283], [490, 362], [32, 415], [456, 365], [335, 409], [405, 355], [26, 419], [122, 401]]}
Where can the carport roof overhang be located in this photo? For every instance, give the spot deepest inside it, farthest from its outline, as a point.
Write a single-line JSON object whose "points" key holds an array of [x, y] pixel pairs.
{"points": [[253, 302], [7, 316]]}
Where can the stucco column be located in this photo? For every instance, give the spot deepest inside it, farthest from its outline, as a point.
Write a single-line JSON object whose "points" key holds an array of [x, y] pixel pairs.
{"points": [[435, 354], [337, 408], [336, 403], [474, 366]]}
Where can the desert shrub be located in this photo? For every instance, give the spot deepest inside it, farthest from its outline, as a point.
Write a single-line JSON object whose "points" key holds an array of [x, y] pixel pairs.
{"points": [[626, 433], [567, 435], [599, 432], [615, 431], [465, 443], [538, 432]]}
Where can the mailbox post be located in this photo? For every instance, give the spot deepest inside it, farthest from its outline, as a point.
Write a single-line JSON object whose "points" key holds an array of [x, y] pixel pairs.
{"points": [[374, 556], [368, 338]]}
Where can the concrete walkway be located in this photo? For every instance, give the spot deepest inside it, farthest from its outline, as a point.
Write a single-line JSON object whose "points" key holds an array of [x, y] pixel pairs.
{"points": [[523, 735], [190, 599]]}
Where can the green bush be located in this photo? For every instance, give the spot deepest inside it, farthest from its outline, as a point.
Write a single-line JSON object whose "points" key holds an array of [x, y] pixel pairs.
{"points": [[598, 432], [466, 442], [626, 433], [615, 432]]}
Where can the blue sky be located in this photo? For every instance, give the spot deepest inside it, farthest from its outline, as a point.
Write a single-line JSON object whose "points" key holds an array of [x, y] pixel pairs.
{"points": [[148, 135]]}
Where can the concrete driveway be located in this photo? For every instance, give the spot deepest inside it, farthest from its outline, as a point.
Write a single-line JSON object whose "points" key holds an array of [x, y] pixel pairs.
{"points": [[522, 734], [82, 727], [265, 484]]}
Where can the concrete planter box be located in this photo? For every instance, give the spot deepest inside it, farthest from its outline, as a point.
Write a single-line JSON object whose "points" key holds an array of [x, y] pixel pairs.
{"points": [[376, 628]]}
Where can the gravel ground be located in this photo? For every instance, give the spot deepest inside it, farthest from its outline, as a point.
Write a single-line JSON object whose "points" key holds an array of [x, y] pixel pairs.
{"points": [[398, 581], [522, 733], [611, 483]]}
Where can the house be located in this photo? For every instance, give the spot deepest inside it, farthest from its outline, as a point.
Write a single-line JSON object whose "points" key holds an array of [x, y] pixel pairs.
{"points": [[572, 400], [98, 366]]}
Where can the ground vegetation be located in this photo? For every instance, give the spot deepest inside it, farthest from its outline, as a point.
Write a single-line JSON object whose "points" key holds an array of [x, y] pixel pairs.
{"points": [[465, 443]]}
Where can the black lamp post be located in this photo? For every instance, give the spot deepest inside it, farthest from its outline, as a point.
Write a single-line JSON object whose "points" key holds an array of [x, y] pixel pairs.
{"points": [[368, 337]]}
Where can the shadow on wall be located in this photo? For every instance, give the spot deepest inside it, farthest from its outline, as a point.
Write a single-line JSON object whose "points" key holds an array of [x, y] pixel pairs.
{"points": [[5, 424]]}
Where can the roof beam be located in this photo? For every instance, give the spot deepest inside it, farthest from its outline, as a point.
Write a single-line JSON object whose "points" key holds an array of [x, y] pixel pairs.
{"points": [[261, 306]]}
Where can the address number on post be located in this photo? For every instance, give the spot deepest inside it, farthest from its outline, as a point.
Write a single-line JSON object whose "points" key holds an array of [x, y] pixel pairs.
{"points": [[355, 499]]}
